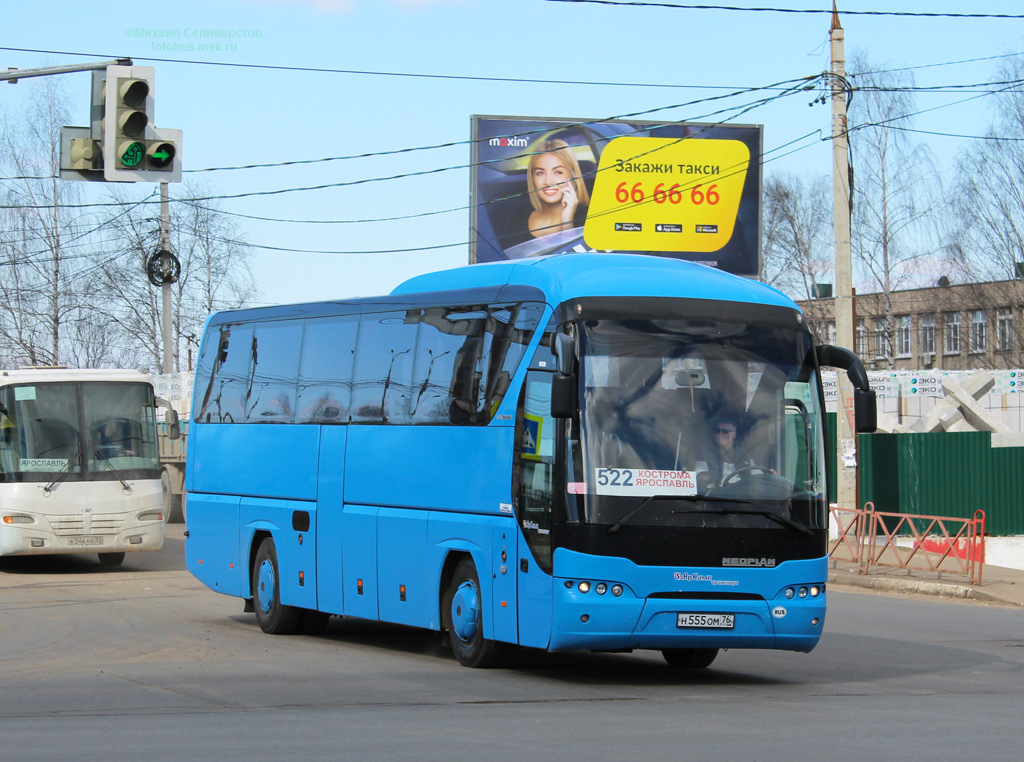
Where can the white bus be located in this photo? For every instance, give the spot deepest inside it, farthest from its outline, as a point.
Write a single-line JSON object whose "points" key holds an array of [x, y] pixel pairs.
{"points": [[79, 465]]}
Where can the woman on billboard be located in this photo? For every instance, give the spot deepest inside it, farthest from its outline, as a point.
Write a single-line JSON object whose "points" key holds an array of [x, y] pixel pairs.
{"points": [[557, 192]]}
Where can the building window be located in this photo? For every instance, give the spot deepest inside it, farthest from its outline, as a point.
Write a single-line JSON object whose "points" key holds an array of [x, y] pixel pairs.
{"points": [[927, 335], [881, 338], [952, 333], [862, 339], [978, 326], [1004, 327], [903, 343], [830, 329]]}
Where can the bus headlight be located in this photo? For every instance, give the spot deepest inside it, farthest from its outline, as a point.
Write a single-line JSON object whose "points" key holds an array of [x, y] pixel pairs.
{"points": [[19, 520], [790, 592], [802, 592], [151, 516], [601, 588], [815, 591], [616, 590], [584, 587]]}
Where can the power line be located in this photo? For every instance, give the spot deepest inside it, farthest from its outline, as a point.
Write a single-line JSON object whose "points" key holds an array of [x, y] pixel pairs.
{"points": [[419, 75], [792, 85], [829, 11]]}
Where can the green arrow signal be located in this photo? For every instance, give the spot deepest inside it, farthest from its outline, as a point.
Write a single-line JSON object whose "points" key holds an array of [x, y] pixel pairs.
{"points": [[132, 155], [162, 155]]}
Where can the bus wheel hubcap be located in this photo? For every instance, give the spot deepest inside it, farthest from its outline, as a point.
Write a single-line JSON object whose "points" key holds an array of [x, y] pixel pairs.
{"points": [[265, 586], [465, 611]]}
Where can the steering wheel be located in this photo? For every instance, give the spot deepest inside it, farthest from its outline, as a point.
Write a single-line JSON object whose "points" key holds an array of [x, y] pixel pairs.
{"points": [[745, 470]]}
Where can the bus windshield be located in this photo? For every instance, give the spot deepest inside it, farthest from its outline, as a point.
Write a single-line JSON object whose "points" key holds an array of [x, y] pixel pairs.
{"points": [[93, 431], [697, 423]]}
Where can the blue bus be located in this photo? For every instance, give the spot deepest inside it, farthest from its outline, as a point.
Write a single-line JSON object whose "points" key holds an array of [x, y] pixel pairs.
{"points": [[534, 452]]}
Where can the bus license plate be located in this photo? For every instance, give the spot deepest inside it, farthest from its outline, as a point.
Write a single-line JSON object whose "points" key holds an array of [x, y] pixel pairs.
{"points": [[81, 541], [710, 621]]}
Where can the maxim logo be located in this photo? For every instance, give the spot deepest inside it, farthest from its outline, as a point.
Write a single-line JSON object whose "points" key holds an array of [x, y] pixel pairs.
{"points": [[514, 142], [748, 562]]}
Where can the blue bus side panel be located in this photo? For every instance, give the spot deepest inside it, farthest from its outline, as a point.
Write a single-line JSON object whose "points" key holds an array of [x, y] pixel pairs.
{"points": [[359, 560], [407, 588], [504, 597], [330, 500], [254, 459], [451, 468], [211, 549], [534, 599], [296, 551]]}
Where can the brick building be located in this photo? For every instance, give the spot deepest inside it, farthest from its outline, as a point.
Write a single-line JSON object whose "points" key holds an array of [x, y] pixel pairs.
{"points": [[945, 327]]}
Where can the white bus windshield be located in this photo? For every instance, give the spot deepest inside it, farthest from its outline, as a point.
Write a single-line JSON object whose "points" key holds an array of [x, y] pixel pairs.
{"points": [[77, 431]]}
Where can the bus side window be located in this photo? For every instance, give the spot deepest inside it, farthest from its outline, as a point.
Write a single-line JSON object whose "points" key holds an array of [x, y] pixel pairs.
{"points": [[224, 374], [275, 369], [325, 371], [534, 472]]}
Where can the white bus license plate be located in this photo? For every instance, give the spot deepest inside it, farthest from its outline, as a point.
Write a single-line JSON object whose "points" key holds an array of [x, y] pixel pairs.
{"points": [[710, 621], [82, 541]]}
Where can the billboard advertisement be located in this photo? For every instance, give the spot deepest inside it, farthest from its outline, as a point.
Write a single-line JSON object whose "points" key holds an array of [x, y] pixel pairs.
{"points": [[683, 189]]}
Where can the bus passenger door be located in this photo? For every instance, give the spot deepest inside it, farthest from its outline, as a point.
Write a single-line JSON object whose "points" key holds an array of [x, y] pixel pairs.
{"points": [[534, 493]]}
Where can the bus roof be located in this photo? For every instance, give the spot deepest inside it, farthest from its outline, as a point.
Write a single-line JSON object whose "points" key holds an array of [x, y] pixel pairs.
{"points": [[568, 276], [554, 279], [49, 375]]}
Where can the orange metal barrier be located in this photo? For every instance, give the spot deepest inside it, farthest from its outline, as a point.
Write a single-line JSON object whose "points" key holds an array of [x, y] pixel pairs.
{"points": [[851, 524], [908, 541]]}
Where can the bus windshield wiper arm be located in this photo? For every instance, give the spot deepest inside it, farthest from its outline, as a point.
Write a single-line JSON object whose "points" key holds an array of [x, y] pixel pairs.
{"points": [[618, 524], [108, 464], [62, 475], [770, 515]]}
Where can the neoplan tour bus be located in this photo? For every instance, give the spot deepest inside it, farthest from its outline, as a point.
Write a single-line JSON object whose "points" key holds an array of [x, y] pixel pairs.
{"points": [[79, 467], [523, 453]]}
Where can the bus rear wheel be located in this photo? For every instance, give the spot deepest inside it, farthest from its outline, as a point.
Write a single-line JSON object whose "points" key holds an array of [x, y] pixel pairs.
{"points": [[272, 616], [463, 610], [689, 658]]}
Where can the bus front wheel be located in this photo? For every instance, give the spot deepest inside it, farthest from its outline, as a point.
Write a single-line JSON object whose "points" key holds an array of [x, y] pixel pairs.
{"points": [[689, 658], [111, 559], [273, 616], [463, 607]]}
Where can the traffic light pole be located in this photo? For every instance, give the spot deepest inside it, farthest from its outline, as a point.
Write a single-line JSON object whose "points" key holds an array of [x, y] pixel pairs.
{"points": [[165, 245], [12, 75]]}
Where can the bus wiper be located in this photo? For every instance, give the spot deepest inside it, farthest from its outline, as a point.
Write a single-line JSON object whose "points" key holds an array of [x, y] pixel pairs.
{"points": [[108, 464], [62, 474], [618, 524], [770, 515]]}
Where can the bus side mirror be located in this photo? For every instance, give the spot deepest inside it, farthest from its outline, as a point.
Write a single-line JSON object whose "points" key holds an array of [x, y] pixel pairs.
{"points": [[170, 419], [865, 411], [563, 395], [865, 408], [565, 353]]}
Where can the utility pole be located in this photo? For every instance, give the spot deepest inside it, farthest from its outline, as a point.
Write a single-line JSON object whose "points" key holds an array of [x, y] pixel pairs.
{"points": [[165, 245], [846, 439]]}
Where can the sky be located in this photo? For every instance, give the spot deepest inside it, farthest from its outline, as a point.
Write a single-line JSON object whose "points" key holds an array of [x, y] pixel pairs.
{"points": [[278, 81]]}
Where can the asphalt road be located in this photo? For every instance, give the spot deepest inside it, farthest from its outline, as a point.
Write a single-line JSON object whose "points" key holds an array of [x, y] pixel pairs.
{"points": [[144, 663]]}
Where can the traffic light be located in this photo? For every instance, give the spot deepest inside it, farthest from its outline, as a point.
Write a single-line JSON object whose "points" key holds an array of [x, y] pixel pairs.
{"points": [[134, 150]]}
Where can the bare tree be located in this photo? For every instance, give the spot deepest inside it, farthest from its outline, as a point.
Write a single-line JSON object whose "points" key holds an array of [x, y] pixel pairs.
{"points": [[41, 235], [987, 243], [895, 197], [798, 240], [215, 272]]}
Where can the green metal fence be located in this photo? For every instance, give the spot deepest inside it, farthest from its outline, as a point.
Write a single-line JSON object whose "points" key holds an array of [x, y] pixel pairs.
{"points": [[944, 474]]}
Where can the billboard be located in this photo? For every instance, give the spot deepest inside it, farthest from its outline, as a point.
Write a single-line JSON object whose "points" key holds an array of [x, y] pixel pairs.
{"points": [[681, 189]]}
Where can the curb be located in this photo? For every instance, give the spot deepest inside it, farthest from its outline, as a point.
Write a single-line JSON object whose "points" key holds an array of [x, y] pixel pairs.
{"points": [[913, 586]]}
